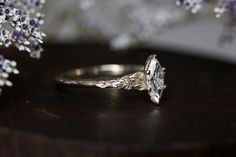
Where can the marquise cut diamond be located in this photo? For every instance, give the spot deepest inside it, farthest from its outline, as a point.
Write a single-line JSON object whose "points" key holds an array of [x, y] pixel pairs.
{"points": [[154, 78]]}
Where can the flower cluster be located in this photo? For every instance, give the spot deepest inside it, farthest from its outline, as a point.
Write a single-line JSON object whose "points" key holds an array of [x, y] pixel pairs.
{"points": [[225, 6], [6, 67], [20, 22], [195, 5]]}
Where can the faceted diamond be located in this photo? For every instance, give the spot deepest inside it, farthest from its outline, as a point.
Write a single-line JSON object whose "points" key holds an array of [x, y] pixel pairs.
{"points": [[154, 78]]}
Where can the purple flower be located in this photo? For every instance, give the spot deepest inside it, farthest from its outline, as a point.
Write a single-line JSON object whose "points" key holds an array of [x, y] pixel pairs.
{"points": [[20, 23]]}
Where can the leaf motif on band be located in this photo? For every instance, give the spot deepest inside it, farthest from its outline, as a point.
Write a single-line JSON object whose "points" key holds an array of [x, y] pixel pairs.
{"points": [[127, 82]]}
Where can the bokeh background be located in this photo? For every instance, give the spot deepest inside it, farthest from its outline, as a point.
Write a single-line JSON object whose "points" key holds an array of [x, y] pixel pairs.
{"points": [[130, 23]]}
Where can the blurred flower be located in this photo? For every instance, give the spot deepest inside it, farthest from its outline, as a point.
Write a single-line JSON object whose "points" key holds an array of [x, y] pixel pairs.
{"points": [[126, 23], [193, 5], [225, 6], [228, 33]]}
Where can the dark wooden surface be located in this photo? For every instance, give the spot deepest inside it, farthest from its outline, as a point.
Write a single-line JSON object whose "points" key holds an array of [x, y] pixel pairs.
{"points": [[197, 116]]}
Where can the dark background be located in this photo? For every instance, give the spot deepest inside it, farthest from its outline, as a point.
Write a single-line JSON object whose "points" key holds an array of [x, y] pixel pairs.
{"points": [[196, 117]]}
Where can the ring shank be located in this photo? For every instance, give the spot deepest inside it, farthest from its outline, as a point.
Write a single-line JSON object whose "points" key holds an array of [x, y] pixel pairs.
{"points": [[112, 70], [104, 76]]}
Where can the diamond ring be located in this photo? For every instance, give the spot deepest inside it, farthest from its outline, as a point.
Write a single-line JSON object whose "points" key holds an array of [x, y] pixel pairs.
{"points": [[149, 77]]}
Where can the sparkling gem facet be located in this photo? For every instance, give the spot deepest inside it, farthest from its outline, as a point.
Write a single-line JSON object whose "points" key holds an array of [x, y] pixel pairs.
{"points": [[154, 78]]}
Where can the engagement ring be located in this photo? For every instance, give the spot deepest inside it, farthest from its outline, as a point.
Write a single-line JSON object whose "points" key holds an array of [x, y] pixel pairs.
{"points": [[149, 77]]}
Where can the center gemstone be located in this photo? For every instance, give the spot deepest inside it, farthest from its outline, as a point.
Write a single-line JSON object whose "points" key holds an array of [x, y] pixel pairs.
{"points": [[154, 78]]}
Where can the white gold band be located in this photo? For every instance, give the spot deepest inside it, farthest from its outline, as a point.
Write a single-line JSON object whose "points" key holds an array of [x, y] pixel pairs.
{"points": [[106, 76], [149, 77]]}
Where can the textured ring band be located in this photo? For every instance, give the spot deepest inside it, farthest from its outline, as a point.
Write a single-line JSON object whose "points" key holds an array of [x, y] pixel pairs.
{"points": [[150, 77]]}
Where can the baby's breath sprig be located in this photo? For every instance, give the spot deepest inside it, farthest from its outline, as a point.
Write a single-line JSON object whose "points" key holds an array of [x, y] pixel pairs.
{"points": [[20, 22], [222, 7]]}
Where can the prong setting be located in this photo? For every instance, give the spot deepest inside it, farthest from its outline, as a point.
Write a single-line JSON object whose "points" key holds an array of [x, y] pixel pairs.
{"points": [[148, 72]]}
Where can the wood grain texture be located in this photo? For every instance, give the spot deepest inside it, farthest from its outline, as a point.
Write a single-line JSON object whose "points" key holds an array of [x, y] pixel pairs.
{"points": [[197, 116]]}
